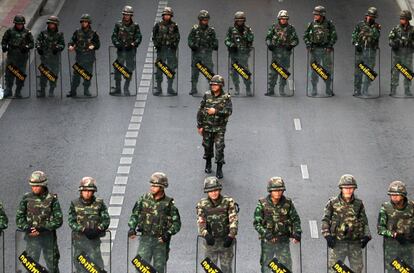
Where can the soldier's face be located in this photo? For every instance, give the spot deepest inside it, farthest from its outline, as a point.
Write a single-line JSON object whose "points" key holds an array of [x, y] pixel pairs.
{"points": [[396, 199], [215, 88], [51, 26], [369, 18], [84, 24], [347, 192], [166, 17], [126, 17], [204, 22], [239, 22], [283, 21], [276, 194], [37, 189], [87, 195], [403, 21], [317, 17], [214, 195], [155, 189], [19, 26]]}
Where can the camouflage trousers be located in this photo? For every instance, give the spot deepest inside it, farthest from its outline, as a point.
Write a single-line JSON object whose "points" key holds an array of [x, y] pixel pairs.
{"points": [[242, 58], [169, 57], [282, 57], [87, 64], [92, 248], [368, 57], [20, 61], [280, 250], [218, 252], [52, 62], [126, 58], [206, 58], [46, 243], [393, 249], [211, 140], [403, 56], [324, 58], [150, 249], [347, 249]]}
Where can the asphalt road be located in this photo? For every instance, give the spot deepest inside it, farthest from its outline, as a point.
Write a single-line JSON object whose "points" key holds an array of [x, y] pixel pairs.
{"points": [[69, 139]]}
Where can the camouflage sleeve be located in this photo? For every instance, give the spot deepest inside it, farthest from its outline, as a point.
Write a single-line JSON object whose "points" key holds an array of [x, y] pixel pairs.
{"points": [[258, 219], [105, 218], [295, 219], [355, 35], [326, 220], [201, 220], [250, 36], [56, 219], [233, 218], [29, 40], [21, 219], [228, 41], [306, 36], [294, 37], [227, 109], [200, 112], [134, 218], [60, 45], [114, 36], [4, 221], [333, 35], [39, 40], [215, 40], [391, 38], [382, 223], [138, 36], [364, 220], [155, 31], [377, 34], [177, 35], [191, 39], [95, 41], [74, 39], [73, 223], [269, 35], [6, 38], [176, 220]]}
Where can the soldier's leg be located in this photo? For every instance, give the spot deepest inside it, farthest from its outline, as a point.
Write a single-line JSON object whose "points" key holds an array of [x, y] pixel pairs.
{"points": [[21, 63], [51, 253], [130, 64], [158, 72], [408, 61], [272, 73], [74, 84], [194, 73], [370, 61], [33, 247], [328, 64], [145, 248], [212, 251], [355, 256], [234, 57], [208, 143], [339, 252], [285, 62], [226, 256], [172, 62], [9, 78], [88, 65], [219, 144], [54, 66], [117, 75], [283, 254], [267, 253], [160, 256], [42, 79], [357, 74], [395, 74], [95, 252], [314, 57]]}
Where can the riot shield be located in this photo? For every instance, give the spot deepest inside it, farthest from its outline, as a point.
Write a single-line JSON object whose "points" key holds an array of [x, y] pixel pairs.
{"points": [[82, 70], [48, 75], [283, 256], [320, 73], [122, 72], [136, 256], [204, 65], [209, 257], [36, 253], [397, 256], [280, 73], [241, 73], [346, 256], [367, 73], [90, 254], [2, 263], [165, 79], [402, 73], [16, 70]]}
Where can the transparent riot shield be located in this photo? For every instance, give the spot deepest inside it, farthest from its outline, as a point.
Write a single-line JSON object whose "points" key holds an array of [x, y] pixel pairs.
{"points": [[320, 73], [241, 73], [346, 257], [48, 75], [287, 257], [402, 73], [36, 253], [205, 259], [82, 71], [165, 79], [122, 72], [91, 254], [280, 73], [16, 70], [204, 65], [398, 256], [2, 263], [367, 73], [135, 259]]}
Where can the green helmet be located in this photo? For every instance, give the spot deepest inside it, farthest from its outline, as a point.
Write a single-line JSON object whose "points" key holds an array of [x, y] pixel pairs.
{"points": [[159, 179], [86, 18], [53, 20], [217, 79], [19, 19], [168, 11], [347, 181], [88, 184], [128, 10], [319, 10], [397, 188], [276, 183], [203, 15], [372, 11], [406, 14], [211, 183], [38, 178], [240, 16], [283, 14]]}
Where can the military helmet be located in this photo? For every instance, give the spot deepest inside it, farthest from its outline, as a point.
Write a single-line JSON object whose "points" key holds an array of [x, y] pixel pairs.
{"points": [[347, 181], [203, 15], [276, 183], [372, 11], [19, 19], [319, 10], [406, 14], [88, 184], [38, 178], [240, 16], [53, 20], [283, 14], [211, 183], [168, 11], [159, 179], [86, 17], [128, 10], [397, 188], [217, 79]]}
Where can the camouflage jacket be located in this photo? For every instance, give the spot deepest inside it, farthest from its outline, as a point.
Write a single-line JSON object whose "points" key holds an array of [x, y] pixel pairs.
{"points": [[17, 41], [401, 37], [240, 38], [391, 219], [282, 36], [155, 217], [281, 219], [166, 34], [366, 35], [202, 38], [345, 221], [82, 39], [218, 121], [50, 42], [126, 36], [88, 215], [217, 218], [4, 221], [39, 211], [320, 34]]}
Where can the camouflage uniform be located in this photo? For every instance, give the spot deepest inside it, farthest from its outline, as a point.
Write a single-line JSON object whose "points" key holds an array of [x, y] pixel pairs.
{"points": [[85, 57], [401, 41], [218, 223], [49, 45], [17, 43], [365, 38], [345, 227], [280, 39], [319, 38], [202, 40], [43, 213], [239, 41], [126, 37], [166, 36], [156, 219], [276, 223], [399, 221], [88, 219], [4, 221]]}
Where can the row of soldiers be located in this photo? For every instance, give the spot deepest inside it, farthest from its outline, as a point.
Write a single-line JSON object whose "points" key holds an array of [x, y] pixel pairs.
{"points": [[155, 218]]}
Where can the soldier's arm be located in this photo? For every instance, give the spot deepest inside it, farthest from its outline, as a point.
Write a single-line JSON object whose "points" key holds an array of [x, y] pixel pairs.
{"points": [[294, 217], [190, 39], [6, 38], [233, 218], [114, 36], [227, 109], [391, 38], [200, 112], [364, 220], [326, 220], [155, 30], [355, 35], [21, 220], [258, 219], [105, 218], [74, 39], [134, 218], [334, 36], [30, 40], [39, 40], [228, 41], [201, 220], [4, 221], [176, 220], [138, 36], [73, 223], [269, 35], [56, 219], [382, 224], [250, 36], [215, 40], [294, 38], [95, 41], [60, 45], [306, 36]]}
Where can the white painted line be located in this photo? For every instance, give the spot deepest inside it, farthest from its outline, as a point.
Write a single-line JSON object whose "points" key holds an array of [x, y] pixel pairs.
{"points": [[147, 76], [134, 126], [130, 142], [121, 180], [145, 83], [106, 238], [298, 125], [106, 260], [140, 104], [148, 65], [114, 211], [148, 60], [149, 55], [136, 119], [118, 189], [116, 200], [150, 49], [304, 170], [105, 247], [123, 169], [114, 223], [142, 89], [142, 97], [4, 106], [125, 160], [314, 229], [147, 71], [128, 151], [138, 111]]}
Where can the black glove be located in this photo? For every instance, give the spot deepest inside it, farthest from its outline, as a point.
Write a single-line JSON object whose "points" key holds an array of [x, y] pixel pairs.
{"points": [[166, 237], [215, 47], [41, 229], [228, 241], [364, 241], [289, 47], [395, 48], [4, 48], [91, 233], [24, 50], [271, 47], [40, 51], [297, 236], [209, 239], [358, 48], [401, 239], [131, 232], [330, 240], [268, 235], [55, 51]]}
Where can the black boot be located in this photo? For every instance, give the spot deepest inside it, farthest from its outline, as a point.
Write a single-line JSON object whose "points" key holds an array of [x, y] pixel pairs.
{"points": [[193, 88], [51, 91], [117, 90], [208, 165], [158, 89], [219, 172], [126, 88]]}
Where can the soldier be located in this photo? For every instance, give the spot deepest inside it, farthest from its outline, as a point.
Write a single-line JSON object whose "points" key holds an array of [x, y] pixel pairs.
{"points": [[166, 36], [202, 41], [396, 225], [4, 221], [157, 218], [39, 215], [17, 42], [276, 220], [345, 226], [88, 219], [401, 40], [239, 42], [49, 45], [84, 42], [126, 37], [218, 224], [212, 116], [320, 37], [281, 38], [365, 38]]}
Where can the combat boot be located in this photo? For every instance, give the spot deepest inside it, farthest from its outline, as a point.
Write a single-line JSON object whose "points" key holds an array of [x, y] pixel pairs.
{"points": [[86, 92], [393, 90], [193, 89], [407, 91], [329, 89], [158, 89], [51, 91], [18, 92], [248, 90], [365, 90], [219, 171], [270, 90], [282, 90], [126, 88], [7, 92], [208, 165], [170, 89], [236, 89], [117, 90], [40, 93], [314, 90]]}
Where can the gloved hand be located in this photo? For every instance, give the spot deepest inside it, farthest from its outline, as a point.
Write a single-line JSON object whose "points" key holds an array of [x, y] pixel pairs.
{"points": [[358, 48], [166, 237], [4, 48], [55, 51], [400, 238], [297, 236], [268, 235], [228, 241], [209, 239], [289, 47], [395, 48], [42, 229], [364, 241], [91, 233], [271, 47], [24, 49], [215, 47], [40, 51], [131, 232], [330, 240]]}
